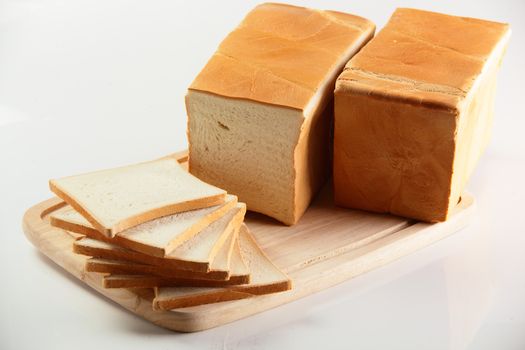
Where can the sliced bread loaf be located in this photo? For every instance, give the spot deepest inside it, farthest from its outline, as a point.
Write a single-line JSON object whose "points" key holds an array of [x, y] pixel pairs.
{"points": [[219, 268], [264, 100], [196, 254], [239, 274], [116, 199], [265, 278], [99, 249], [157, 237]]}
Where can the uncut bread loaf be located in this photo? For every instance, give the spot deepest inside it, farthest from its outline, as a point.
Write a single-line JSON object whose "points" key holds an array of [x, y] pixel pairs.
{"points": [[413, 112], [259, 112]]}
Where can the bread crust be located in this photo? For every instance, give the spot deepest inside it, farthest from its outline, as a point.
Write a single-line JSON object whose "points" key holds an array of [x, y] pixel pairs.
{"points": [[150, 281], [154, 253], [263, 61], [74, 196], [408, 121], [255, 258], [101, 265]]}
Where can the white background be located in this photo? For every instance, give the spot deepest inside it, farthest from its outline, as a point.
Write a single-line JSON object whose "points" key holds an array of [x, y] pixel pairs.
{"points": [[92, 84]]}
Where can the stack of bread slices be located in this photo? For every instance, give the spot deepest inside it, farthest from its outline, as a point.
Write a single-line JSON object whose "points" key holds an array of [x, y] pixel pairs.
{"points": [[154, 225]]}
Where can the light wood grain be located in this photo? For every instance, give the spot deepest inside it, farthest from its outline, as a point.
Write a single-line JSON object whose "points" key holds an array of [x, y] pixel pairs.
{"points": [[328, 246]]}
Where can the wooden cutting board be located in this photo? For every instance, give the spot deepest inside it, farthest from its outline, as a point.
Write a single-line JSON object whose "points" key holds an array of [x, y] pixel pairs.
{"points": [[328, 246]]}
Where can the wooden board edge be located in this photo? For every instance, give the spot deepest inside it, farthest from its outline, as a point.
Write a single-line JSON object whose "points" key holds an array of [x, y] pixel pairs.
{"points": [[194, 319], [38, 232]]}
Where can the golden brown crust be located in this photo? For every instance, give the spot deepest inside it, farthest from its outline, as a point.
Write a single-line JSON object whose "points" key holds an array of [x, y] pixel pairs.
{"points": [[132, 268], [280, 54], [149, 281], [214, 296], [407, 128], [423, 57], [391, 157]]}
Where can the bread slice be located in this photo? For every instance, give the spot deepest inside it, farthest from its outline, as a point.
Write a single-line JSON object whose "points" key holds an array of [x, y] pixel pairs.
{"points": [[219, 269], [150, 281], [196, 254], [99, 249], [204, 247], [238, 268], [222, 261], [239, 274], [132, 268], [265, 278], [116, 199], [158, 237], [264, 100]]}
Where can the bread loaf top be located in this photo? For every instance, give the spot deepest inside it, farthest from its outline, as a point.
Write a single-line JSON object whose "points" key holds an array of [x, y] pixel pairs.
{"points": [[283, 55], [425, 58]]}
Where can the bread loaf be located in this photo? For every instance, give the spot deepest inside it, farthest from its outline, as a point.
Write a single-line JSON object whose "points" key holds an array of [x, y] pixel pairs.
{"points": [[413, 111], [195, 254], [260, 110]]}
